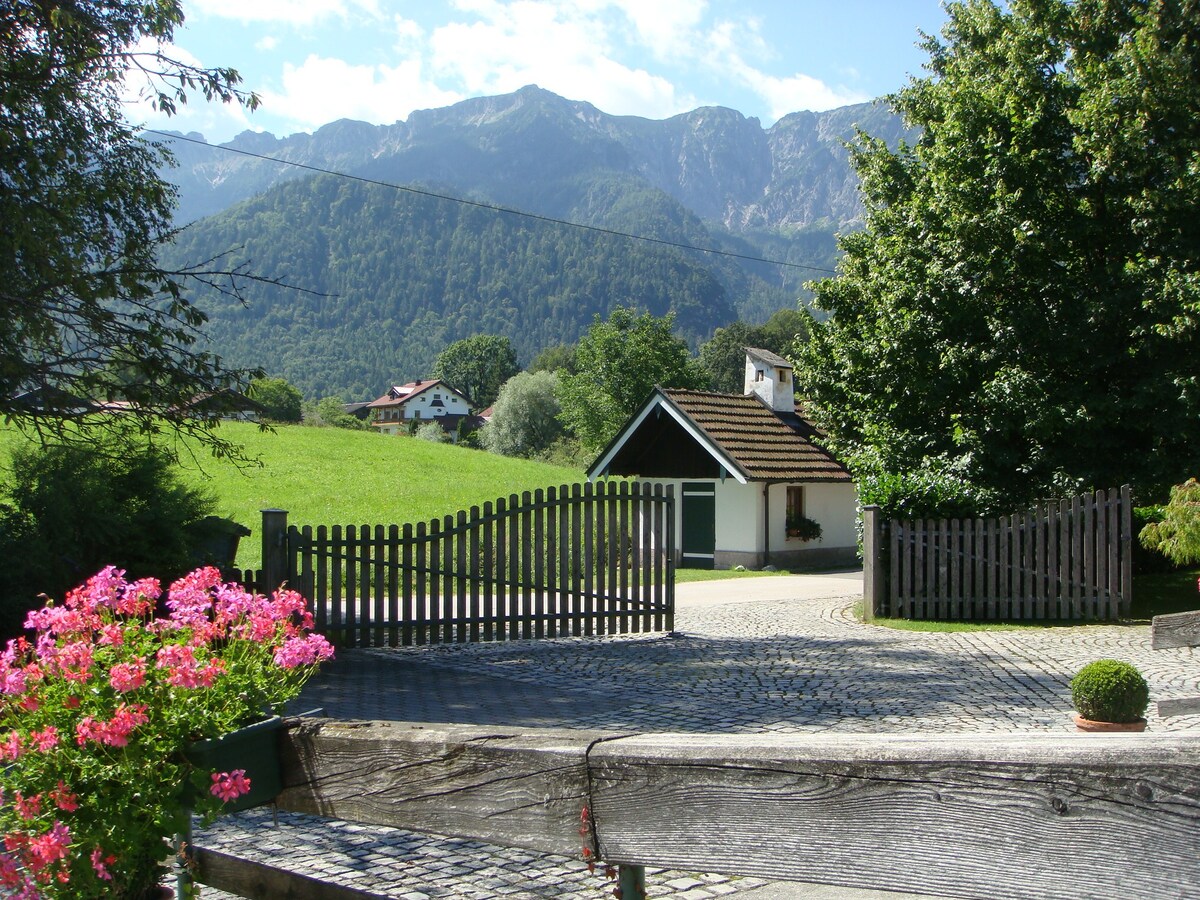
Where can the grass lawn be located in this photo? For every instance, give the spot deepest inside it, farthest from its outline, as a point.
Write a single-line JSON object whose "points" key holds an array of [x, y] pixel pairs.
{"points": [[333, 476], [682, 575]]}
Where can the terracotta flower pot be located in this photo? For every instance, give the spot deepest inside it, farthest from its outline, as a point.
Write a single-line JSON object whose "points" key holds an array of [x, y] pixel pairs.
{"points": [[1092, 725]]}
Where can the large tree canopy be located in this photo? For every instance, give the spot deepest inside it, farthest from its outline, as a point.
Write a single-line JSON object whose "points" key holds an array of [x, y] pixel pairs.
{"points": [[619, 363], [87, 316], [1022, 307], [478, 366]]}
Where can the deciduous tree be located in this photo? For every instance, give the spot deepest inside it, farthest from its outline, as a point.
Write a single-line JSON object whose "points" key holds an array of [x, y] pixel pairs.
{"points": [[281, 399], [1022, 309], [85, 213], [525, 416], [477, 366], [619, 363]]}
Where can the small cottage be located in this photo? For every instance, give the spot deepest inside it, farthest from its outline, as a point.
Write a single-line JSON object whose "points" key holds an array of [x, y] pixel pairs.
{"points": [[750, 479], [420, 401]]}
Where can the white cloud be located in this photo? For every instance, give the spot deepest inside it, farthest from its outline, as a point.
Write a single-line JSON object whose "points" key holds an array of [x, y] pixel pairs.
{"points": [[267, 43], [729, 44], [564, 47], [293, 12], [321, 90]]}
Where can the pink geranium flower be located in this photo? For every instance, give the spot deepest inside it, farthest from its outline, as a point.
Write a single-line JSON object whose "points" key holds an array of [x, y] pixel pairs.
{"points": [[230, 785]]}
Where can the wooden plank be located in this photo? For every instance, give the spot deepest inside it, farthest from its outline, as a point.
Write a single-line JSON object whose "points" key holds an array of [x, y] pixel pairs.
{"points": [[920, 538], [991, 538], [669, 538], [554, 567], [315, 580], [1027, 563], [513, 787], [336, 575], [258, 881], [1189, 706], [433, 582], [983, 600], [954, 548], [379, 587], [526, 565], [406, 630], [393, 584], [489, 575], [1101, 544], [624, 523], [1021, 816], [1038, 534], [660, 553], [462, 595], [513, 575], [895, 586], [1125, 607], [565, 578], [1089, 556], [1113, 548], [449, 594], [612, 624], [539, 562], [636, 563], [587, 556], [575, 510], [349, 564], [1004, 587], [1054, 607], [1175, 630], [1066, 603], [501, 562], [473, 551], [421, 590]]}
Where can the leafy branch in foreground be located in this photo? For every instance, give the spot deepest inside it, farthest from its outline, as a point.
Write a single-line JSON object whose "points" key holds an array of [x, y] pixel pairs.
{"points": [[92, 328]]}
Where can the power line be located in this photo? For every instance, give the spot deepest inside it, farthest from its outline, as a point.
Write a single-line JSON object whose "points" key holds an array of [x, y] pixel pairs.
{"points": [[494, 207]]}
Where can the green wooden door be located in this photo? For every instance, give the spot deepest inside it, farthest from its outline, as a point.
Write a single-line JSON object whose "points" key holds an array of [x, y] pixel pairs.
{"points": [[699, 539]]}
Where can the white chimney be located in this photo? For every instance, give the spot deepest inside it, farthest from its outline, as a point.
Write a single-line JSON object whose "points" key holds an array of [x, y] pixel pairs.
{"points": [[770, 377]]}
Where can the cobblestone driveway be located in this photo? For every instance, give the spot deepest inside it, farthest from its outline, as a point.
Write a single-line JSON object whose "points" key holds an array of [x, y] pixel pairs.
{"points": [[772, 666]]}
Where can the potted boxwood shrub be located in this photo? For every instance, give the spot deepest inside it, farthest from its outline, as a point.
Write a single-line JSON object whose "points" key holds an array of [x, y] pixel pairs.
{"points": [[1110, 695]]}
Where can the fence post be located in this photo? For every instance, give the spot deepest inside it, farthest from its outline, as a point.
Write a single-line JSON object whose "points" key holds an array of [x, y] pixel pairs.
{"points": [[874, 583], [274, 549], [1126, 602]]}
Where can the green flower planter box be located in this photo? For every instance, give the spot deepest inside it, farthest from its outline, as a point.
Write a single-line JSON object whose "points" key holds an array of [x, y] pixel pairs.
{"points": [[254, 748]]}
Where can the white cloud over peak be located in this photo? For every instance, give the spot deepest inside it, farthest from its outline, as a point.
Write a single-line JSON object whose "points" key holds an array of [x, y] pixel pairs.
{"points": [[565, 47], [321, 90]]}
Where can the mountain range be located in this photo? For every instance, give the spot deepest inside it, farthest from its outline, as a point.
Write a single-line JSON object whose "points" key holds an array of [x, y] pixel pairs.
{"points": [[392, 265]]}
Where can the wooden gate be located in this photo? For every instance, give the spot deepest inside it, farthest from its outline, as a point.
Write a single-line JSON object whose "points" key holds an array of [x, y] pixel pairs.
{"points": [[1068, 559], [575, 560]]}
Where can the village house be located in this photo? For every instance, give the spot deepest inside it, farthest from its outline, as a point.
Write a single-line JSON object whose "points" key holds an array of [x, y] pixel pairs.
{"points": [[419, 401], [751, 481]]}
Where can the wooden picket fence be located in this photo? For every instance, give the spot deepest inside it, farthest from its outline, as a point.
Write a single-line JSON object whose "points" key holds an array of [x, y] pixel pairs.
{"points": [[569, 561], [1067, 559]]}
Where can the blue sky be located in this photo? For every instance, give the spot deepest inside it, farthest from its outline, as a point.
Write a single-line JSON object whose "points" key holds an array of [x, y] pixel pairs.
{"points": [[316, 61]]}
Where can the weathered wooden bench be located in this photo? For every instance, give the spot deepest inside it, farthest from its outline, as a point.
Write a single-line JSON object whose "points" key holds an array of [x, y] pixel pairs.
{"points": [[1014, 816]]}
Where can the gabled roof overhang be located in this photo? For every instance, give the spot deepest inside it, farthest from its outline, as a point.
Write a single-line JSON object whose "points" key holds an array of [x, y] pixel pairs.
{"points": [[659, 401]]}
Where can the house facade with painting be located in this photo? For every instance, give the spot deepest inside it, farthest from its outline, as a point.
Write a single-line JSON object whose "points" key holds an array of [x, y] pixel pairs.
{"points": [[431, 400], [749, 475]]}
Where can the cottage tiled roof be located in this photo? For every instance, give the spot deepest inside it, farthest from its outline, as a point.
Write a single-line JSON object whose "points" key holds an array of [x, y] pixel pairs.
{"points": [[766, 445]]}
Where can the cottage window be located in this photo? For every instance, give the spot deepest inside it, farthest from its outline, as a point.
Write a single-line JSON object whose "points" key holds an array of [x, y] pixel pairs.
{"points": [[758, 374], [795, 502], [783, 375]]}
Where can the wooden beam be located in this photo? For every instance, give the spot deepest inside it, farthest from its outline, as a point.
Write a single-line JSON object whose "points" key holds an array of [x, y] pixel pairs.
{"points": [[1175, 630], [257, 881], [1025, 816], [1187, 706], [518, 788], [1017, 816]]}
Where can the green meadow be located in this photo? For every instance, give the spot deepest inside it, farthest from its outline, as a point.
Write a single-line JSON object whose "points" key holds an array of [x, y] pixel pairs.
{"points": [[332, 476]]}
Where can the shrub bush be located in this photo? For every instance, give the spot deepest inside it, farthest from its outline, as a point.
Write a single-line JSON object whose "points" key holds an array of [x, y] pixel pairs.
{"points": [[1109, 690], [1177, 534], [70, 510], [926, 495]]}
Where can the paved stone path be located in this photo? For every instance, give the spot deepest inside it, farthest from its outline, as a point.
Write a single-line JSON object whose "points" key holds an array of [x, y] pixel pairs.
{"points": [[745, 667]]}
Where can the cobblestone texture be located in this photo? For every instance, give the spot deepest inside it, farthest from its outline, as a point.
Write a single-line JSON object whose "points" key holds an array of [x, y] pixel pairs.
{"points": [[772, 666]]}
